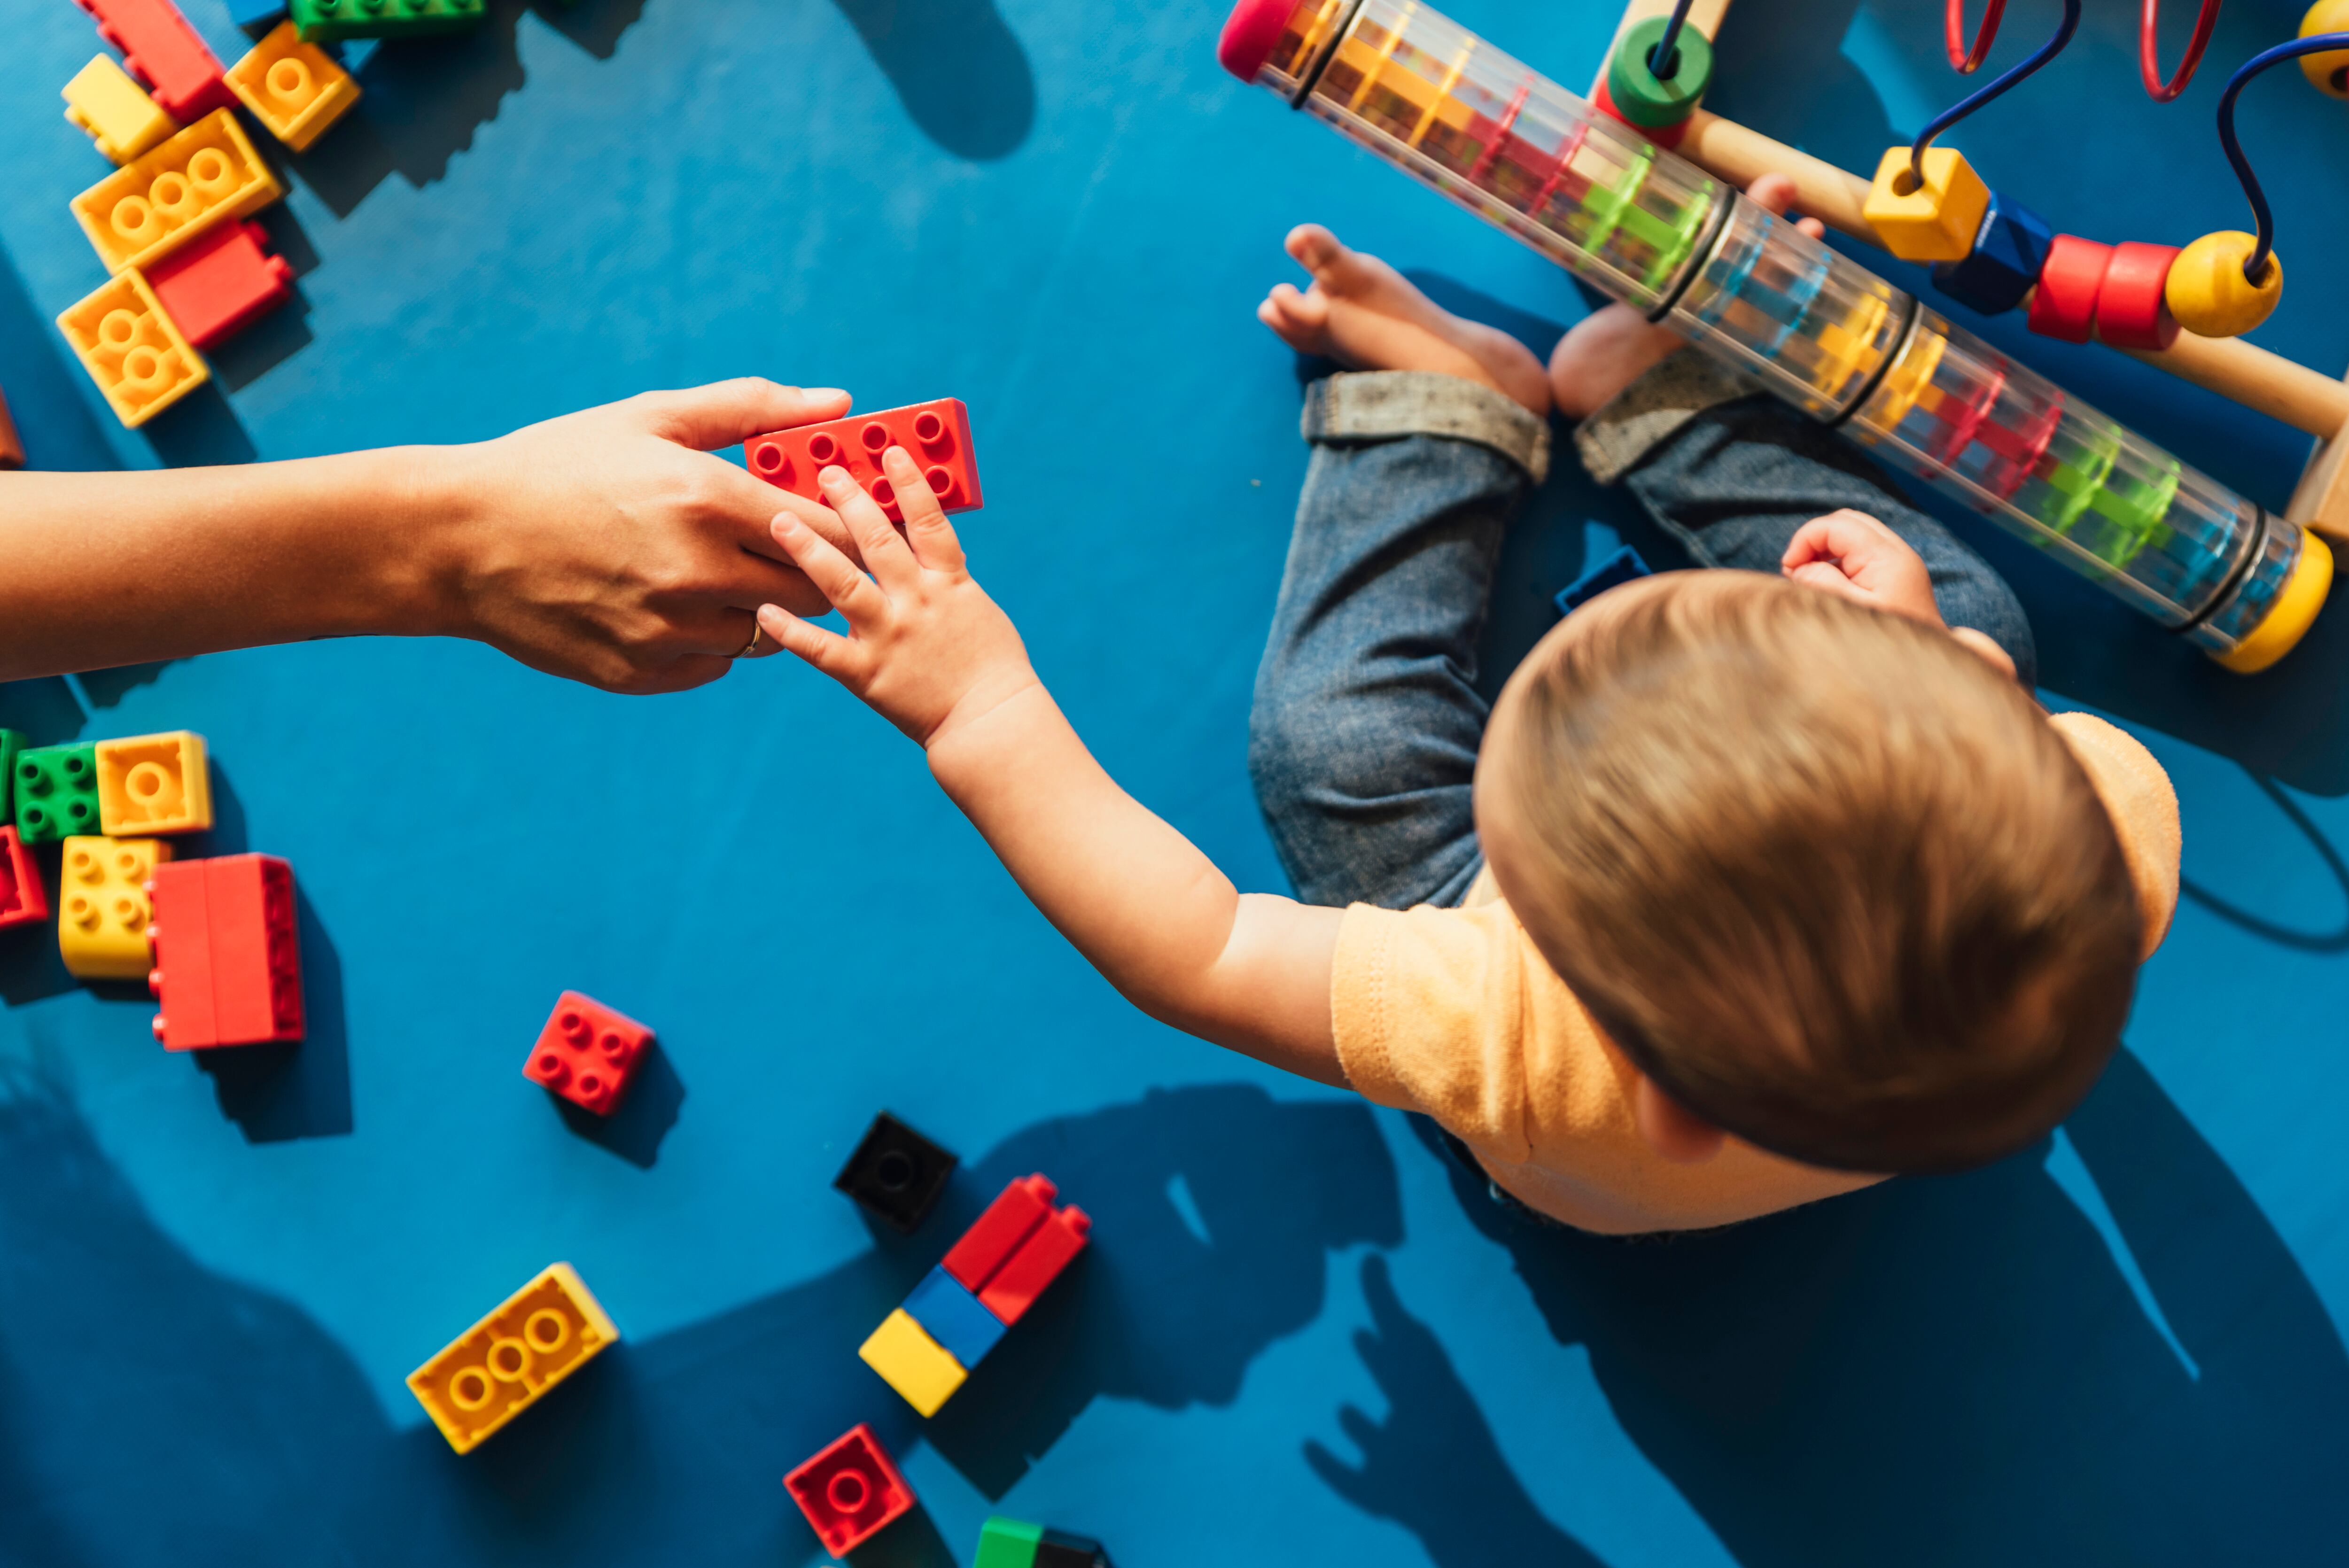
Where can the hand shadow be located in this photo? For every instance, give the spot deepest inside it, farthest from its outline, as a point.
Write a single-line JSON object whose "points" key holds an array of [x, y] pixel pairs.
{"points": [[1433, 1465], [1960, 1370]]}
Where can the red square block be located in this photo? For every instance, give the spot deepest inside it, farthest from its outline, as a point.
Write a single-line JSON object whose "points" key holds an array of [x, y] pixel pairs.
{"points": [[1038, 1263], [995, 1235], [23, 900], [220, 284], [228, 960], [587, 1053], [850, 1490], [161, 51], [937, 436]]}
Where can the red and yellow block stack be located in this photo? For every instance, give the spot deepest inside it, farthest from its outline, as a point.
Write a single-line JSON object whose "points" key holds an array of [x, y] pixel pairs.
{"points": [[168, 224]]}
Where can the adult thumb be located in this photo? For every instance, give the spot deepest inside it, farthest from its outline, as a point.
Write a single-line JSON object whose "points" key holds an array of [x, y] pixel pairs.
{"points": [[725, 412]]}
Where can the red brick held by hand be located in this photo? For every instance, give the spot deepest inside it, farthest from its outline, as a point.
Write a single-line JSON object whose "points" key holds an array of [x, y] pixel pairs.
{"points": [[936, 435]]}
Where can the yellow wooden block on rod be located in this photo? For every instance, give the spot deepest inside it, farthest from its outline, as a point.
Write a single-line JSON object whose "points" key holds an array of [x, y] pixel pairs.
{"points": [[1930, 220]]}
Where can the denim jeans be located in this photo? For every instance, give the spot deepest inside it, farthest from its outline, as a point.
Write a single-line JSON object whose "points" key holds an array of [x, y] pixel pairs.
{"points": [[1362, 741]]}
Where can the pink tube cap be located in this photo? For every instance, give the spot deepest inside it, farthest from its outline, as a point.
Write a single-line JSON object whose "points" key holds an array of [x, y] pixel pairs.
{"points": [[1249, 33]]}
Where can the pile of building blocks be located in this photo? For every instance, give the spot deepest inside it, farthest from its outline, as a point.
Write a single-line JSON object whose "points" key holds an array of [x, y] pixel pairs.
{"points": [[215, 938], [987, 1282], [587, 1053], [505, 1363], [187, 272], [1009, 1543], [936, 435]]}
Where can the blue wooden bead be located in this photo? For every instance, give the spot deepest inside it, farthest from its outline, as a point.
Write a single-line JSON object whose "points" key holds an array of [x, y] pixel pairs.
{"points": [[2008, 252]]}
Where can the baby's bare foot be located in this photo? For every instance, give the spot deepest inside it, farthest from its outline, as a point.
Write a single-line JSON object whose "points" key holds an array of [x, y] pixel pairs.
{"points": [[1612, 347], [1364, 313]]}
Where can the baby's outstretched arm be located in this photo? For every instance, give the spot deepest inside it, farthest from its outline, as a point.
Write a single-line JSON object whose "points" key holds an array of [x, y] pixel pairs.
{"points": [[931, 653]]}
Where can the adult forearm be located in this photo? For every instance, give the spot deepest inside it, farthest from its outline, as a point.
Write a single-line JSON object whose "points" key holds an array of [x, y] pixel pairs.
{"points": [[99, 570]]}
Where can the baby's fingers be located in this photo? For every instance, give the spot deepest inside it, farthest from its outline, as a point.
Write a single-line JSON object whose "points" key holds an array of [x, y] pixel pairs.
{"points": [[926, 528], [830, 652], [846, 588]]}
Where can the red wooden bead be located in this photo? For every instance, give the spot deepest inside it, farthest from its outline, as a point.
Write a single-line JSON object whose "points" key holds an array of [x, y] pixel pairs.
{"points": [[2130, 310], [2065, 304]]}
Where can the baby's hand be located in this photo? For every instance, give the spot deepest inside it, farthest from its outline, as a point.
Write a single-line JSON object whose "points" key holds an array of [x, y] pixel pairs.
{"points": [[925, 646], [1851, 554]]}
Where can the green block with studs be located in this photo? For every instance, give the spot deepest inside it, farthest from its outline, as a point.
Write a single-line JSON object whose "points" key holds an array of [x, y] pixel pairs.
{"points": [[55, 791], [11, 742], [321, 21]]}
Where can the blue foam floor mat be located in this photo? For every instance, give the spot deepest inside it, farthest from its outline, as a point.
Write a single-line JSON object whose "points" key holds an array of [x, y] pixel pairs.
{"points": [[1299, 1334]]}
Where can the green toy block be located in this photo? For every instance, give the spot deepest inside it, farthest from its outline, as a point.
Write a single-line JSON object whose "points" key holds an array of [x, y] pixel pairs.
{"points": [[1008, 1543], [11, 742], [56, 792], [318, 21]]}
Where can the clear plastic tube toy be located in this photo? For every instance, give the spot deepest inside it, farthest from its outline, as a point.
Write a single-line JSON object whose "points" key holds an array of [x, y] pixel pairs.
{"points": [[1791, 316]]}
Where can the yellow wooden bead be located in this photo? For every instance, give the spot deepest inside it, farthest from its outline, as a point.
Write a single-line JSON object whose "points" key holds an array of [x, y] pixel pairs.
{"points": [[1932, 219], [2329, 70], [2208, 292]]}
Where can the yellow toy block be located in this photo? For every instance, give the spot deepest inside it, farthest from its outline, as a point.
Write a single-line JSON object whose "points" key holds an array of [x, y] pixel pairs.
{"points": [[497, 1368], [152, 205], [154, 784], [117, 112], [910, 1361], [102, 912], [1932, 221], [295, 89], [133, 349]]}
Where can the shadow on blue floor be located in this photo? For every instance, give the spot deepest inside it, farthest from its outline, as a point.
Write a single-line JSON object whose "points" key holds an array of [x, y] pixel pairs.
{"points": [[1217, 1209], [1813, 1383]]}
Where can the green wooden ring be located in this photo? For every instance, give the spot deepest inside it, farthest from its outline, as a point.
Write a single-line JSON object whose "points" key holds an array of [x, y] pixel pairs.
{"points": [[1640, 95]]}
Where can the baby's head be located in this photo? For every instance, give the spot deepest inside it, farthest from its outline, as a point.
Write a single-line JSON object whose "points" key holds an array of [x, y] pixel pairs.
{"points": [[1830, 883]]}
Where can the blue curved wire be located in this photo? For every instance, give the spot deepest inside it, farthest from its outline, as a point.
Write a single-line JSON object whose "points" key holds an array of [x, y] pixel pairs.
{"points": [[1989, 91], [1663, 52], [2255, 266]]}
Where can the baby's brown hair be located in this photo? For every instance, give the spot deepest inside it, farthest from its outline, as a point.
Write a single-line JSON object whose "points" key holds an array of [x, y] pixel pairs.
{"points": [[1828, 878]]}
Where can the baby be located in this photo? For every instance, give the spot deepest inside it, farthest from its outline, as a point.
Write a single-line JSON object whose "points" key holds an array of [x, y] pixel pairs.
{"points": [[1754, 887]]}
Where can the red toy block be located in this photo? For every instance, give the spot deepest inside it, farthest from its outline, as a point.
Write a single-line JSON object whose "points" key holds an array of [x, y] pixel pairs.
{"points": [[1037, 1263], [2063, 305], [1661, 135], [162, 51], [215, 286], [995, 1235], [937, 436], [23, 900], [228, 960], [2131, 309], [587, 1053], [848, 1491]]}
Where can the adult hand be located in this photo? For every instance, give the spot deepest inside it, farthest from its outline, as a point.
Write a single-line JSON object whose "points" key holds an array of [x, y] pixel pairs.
{"points": [[610, 547]]}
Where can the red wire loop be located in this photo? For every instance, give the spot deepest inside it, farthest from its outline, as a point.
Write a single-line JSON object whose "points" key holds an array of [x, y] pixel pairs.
{"points": [[2148, 49], [1966, 61]]}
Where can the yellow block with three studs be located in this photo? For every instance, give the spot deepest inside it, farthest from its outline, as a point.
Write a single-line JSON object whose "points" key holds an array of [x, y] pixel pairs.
{"points": [[499, 1367], [1930, 220]]}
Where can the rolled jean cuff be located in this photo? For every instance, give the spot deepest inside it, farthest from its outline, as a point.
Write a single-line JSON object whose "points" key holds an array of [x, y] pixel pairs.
{"points": [[1652, 410], [1386, 405]]}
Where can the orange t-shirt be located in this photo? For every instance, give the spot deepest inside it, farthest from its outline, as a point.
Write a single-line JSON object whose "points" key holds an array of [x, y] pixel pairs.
{"points": [[1454, 1013]]}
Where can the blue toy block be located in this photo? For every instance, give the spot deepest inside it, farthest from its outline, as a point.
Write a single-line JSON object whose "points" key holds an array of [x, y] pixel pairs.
{"points": [[2009, 250], [1623, 566], [957, 1319], [256, 16]]}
